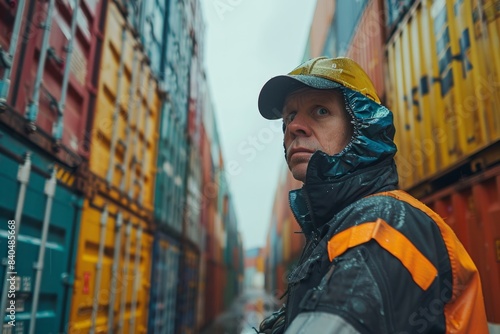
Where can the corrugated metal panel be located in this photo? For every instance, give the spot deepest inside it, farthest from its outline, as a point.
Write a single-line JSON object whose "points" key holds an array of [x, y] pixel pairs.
{"points": [[113, 270], [322, 19], [50, 81], [177, 60], [231, 290], [395, 11], [202, 285], [472, 209], [46, 220], [443, 104], [216, 281], [124, 140], [492, 39], [194, 198], [367, 44], [173, 157], [187, 291], [345, 21], [152, 32], [164, 283]]}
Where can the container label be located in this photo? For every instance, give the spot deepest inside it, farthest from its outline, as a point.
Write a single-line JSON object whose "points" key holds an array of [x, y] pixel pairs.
{"points": [[86, 282]]}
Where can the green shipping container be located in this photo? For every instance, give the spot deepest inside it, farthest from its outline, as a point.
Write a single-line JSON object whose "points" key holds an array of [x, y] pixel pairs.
{"points": [[39, 220]]}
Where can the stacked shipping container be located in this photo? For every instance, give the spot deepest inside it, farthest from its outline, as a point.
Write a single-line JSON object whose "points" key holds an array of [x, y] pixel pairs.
{"points": [[113, 267], [442, 66], [222, 260], [283, 245], [103, 158], [439, 75], [50, 55]]}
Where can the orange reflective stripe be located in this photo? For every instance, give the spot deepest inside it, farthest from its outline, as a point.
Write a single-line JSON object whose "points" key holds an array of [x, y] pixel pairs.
{"points": [[421, 269], [465, 311]]}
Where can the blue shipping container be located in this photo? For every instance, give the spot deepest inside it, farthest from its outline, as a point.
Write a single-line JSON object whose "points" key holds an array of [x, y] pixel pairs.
{"points": [[188, 291], [164, 281], [40, 219]]}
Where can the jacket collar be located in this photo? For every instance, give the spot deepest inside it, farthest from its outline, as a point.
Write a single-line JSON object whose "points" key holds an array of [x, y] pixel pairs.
{"points": [[319, 200]]}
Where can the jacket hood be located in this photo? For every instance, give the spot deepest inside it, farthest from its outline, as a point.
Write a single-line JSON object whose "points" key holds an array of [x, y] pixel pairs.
{"points": [[371, 143], [365, 166]]}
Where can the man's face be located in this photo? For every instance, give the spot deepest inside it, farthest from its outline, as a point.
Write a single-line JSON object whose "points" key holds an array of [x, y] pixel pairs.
{"points": [[315, 120]]}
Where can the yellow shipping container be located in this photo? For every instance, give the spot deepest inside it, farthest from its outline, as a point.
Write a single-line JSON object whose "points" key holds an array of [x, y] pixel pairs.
{"points": [[112, 276], [443, 88], [124, 142]]}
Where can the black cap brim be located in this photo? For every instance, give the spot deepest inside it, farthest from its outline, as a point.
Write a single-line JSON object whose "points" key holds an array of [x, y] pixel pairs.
{"points": [[273, 94]]}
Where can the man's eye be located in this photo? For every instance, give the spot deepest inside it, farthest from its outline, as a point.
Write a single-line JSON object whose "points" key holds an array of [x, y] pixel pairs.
{"points": [[288, 118], [321, 111]]}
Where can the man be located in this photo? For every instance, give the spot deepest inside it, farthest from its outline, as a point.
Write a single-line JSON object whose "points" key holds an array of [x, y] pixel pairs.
{"points": [[376, 259]]}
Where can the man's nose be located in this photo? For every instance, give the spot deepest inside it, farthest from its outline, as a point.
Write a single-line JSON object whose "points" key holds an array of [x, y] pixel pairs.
{"points": [[299, 126]]}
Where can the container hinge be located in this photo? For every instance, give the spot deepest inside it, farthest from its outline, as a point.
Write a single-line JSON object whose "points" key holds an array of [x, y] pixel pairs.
{"points": [[68, 279], [5, 59], [51, 52]]}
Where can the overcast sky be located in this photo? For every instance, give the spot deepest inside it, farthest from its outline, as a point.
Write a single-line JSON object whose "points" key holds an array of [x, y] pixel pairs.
{"points": [[248, 42]]}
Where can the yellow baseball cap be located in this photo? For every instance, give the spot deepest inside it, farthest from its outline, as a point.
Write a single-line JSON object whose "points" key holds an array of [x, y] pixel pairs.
{"points": [[317, 73]]}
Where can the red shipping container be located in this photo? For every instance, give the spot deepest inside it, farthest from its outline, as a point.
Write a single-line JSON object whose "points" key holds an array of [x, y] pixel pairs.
{"points": [[84, 56], [472, 208]]}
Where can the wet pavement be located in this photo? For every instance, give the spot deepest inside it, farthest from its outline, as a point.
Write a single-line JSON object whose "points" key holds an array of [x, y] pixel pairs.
{"points": [[247, 312]]}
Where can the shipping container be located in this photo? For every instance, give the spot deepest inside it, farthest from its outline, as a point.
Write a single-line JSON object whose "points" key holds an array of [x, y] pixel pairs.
{"points": [[187, 290], [40, 210], [164, 283], [125, 135], [216, 281], [54, 68], [176, 60], [202, 282], [283, 245], [113, 269], [472, 208], [345, 19], [395, 11], [152, 23], [323, 15], [193, 197], [367, 44], [170, 192], [231, 290], [443, 92]]}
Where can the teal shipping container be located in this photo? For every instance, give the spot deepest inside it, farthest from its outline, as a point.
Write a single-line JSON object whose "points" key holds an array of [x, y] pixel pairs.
{"points": [[39, 223], [152, 31], [170, 190]]}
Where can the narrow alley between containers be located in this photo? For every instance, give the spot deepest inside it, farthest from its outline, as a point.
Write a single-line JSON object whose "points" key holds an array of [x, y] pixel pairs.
{"points": [[141, 191]]}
